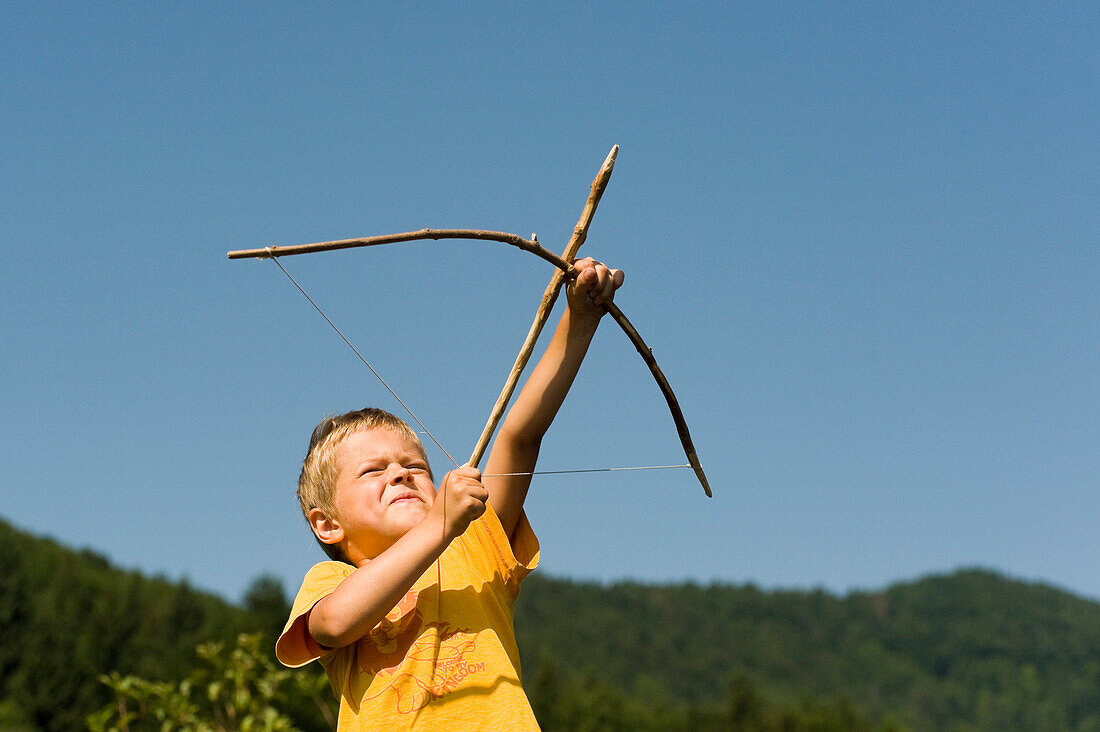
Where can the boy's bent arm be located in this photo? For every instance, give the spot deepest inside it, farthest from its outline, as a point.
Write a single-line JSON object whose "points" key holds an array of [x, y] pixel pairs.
{"points": [[364, 598], [516, 448]]}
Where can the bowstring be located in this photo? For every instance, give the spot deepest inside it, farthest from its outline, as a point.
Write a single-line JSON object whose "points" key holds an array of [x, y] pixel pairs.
{"points": [[416, 419], [365, 362], [586, 470], [426, 431]]}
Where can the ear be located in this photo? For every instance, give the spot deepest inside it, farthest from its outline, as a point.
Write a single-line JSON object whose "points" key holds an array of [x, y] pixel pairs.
{"points": [[328, 530]]}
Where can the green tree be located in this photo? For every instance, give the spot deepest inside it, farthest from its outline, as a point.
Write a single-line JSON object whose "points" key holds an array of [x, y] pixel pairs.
{"points": [[237, 690], [266, 602]]}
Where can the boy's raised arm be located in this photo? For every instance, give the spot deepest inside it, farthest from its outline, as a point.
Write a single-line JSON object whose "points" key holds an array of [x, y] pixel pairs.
{"points": [[516, 448]]}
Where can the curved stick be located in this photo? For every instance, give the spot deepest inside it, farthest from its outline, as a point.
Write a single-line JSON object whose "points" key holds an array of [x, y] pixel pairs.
{"points": [[532, 246], [527, 245], [673, 406]]}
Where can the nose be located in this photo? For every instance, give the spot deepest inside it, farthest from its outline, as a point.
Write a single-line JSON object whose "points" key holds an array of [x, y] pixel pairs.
{"points": [[403, 475]]}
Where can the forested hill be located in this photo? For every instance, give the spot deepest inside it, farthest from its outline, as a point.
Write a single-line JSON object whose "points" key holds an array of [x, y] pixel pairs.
{"points": [[970, 650]]}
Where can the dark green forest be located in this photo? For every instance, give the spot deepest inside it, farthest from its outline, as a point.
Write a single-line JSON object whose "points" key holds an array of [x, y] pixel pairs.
{"points": [[972, 650]]}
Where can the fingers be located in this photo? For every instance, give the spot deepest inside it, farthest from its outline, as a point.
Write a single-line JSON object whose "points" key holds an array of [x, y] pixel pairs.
{"points": [[597, 281], [464, 498], [466, 481], [467, 471]]}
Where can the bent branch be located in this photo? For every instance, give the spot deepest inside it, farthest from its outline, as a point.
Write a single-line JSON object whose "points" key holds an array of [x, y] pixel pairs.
{"points": [[527, 245], [567, 271]]}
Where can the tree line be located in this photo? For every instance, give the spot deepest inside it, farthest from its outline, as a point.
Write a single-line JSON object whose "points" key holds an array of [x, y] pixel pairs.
{"points": [[87, 644]]}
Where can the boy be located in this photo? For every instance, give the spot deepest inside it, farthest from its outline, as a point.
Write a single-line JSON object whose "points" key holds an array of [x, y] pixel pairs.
{"points": [[413, 620]]}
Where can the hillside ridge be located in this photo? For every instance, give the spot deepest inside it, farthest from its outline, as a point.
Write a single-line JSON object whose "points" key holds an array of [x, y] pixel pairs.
{"points": [[971, 647]]}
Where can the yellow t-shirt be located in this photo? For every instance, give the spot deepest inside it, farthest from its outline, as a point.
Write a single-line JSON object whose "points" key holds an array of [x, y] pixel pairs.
{"points": [[444, 658]]}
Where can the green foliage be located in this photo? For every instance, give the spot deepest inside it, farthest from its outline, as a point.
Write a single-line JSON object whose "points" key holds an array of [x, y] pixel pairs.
{"points": [[969, 651], [266, 603], [12, 717], [240, 690], [67, 618], [585, 702], [972, 650]]}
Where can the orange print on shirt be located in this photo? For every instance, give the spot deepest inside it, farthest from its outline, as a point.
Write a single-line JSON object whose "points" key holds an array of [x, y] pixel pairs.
{"points": [[402, 636]]}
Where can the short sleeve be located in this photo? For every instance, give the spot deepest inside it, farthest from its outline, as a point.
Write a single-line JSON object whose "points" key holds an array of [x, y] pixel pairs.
{"points": [[296, 646], [514, 559]]}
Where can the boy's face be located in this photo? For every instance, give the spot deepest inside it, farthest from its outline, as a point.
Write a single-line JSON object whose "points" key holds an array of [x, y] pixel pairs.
{"points": [[382, 490]]}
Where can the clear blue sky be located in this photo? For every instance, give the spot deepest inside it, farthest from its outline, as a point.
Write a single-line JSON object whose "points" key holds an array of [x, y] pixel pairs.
{"points": [[862, 239]]}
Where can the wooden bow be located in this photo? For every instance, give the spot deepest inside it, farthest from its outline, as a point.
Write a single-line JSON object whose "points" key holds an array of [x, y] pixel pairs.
{"points": [[564, 271]]}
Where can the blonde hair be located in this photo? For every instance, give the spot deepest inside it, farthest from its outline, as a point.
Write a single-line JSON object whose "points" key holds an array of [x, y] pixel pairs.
{"points": [[317, 481]]}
